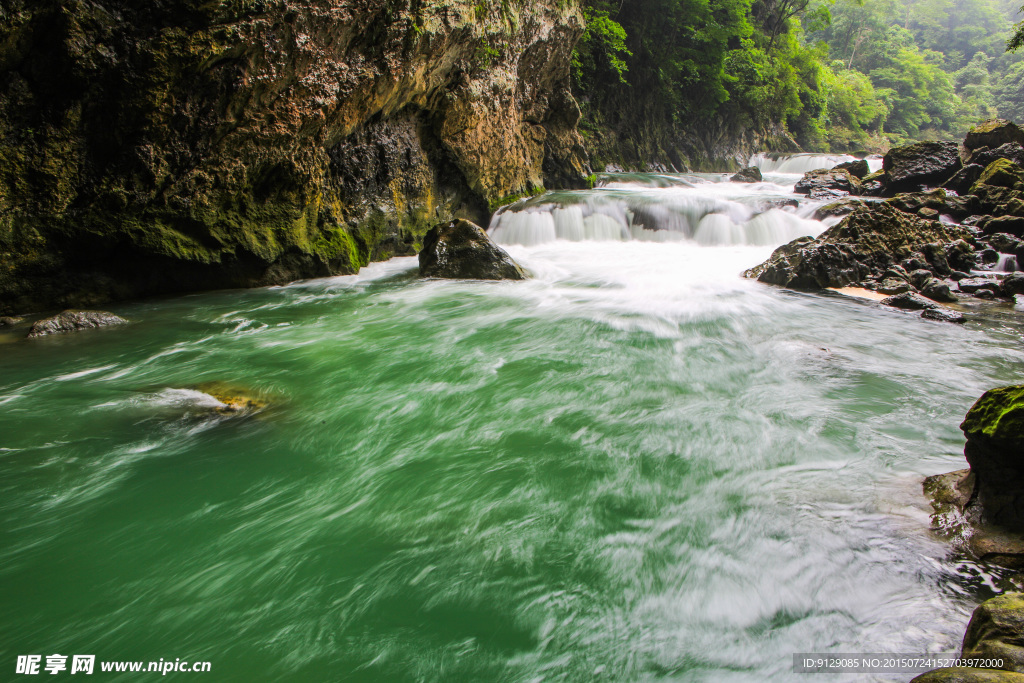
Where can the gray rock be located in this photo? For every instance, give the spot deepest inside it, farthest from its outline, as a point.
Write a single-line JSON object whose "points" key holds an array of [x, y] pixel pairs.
{"points": [[836, 180], [909, 301], [892, 285], [72, 321], [973, 285], [919, 277], [1013, 284], [1004, 243], [857, 169], [921, 165], [750, 174], [937, 290], [460, 249], [944, 315]]}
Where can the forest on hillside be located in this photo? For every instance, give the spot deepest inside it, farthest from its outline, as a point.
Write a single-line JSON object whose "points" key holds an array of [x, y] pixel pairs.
{"points": [[840, 75]]}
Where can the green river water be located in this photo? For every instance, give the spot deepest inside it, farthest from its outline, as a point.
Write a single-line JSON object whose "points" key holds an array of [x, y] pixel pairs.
{"points": [[636, 466]]}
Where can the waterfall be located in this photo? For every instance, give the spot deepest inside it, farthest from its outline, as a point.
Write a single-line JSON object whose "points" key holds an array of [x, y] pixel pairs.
{"points": [[802, 163], [633, 208]]}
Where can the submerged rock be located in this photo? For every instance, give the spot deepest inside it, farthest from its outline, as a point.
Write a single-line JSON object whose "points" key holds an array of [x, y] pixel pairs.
{"points": [[750, 174], [943, 315], [72, 321], [233, 400], [909, 301], [460, 249], [921, 165]]}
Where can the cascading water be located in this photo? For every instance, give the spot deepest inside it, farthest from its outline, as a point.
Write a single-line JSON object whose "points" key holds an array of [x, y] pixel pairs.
{"points": [[636, 465], [802, 163], [705, 210]]}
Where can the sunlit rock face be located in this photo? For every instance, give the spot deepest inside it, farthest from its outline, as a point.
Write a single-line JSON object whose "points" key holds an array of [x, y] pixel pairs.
{"points": [[186, 144]]}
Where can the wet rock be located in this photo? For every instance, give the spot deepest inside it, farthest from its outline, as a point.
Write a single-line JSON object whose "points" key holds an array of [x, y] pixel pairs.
{"points": [[858, 168], [937, 290], [839, 208], [750, 174], [963, 179], [892, 286], [985, 156], [929, 213], [460, 249], [909, 301], [867, 243], [968, 675], [993, 133], [940, 200], [1000, 173], [921, 165], [996, 631], [770, 204], [959, 275], [944, 315], [826, 195], [875, 185], [819, 180], [1004, 243], [9, 321], [1012, 284], [972, 285], [1010, 225], [935, 254], [234, 400], [72, 321], [994, 428]]}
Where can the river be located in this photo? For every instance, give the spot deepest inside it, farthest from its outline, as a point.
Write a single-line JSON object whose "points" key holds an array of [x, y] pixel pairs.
{"points": [[635, 466]]}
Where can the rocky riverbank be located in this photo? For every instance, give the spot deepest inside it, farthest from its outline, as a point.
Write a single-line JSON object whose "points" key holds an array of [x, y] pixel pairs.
{"points": [[202, 145], [934, 221]]}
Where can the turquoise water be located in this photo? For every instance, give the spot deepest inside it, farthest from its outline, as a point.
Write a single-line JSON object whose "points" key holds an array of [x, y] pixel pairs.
{"points": [[636, 466]]}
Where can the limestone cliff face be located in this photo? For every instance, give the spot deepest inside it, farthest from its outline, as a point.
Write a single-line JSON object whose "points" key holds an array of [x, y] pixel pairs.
{"points": [[187, 144]]}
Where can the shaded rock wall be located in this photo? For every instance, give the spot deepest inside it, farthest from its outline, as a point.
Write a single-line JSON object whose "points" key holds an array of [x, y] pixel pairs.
{"points": [[184, 144]]}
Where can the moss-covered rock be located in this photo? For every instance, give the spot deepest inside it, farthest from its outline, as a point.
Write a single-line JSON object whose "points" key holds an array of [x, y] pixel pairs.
{"points": [[1000, 173], [998, 414], [968, 675], [921, 165], [196, 144], [993, 133], [996, 631]]}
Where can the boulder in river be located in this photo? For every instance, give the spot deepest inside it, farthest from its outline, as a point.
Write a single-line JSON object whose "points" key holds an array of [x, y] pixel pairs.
{"points": [[909, 301], [837, 180], [460, 249], [72, 321], [985, 156], [993, 133], [920, 166], [960, 674], [858, 169], [9, 321], [996, 631], [865, 244], [750, 174]]}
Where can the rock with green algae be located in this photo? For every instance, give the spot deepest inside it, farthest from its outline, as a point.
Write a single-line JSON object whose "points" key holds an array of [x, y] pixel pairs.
{"points": [[209, 144], [993, 133], [461, 250], [994, 428], [996, 631]]}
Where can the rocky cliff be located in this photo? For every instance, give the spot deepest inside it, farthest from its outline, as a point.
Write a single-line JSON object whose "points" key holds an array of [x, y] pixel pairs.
{"points": [[186, 144]]}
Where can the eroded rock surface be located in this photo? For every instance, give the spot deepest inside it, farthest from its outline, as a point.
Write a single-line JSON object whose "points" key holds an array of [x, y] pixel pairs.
{"points": [[461, 250]]}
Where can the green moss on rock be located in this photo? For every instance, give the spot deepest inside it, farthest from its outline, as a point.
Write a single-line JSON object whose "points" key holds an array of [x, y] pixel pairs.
{"points": [[999, 414]]}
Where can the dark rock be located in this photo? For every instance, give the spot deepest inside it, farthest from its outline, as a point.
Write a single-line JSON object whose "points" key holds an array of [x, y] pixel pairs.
{"points": [[944, 315], [993, 133], [940, 200], [866, 243], [838, 180], [1004, 243], [769, 204], [985, 156], [891, 286], [988, 256], [908, 301], [1012, 284], [920, 276], [72, 321], [959, 275], [1010, 225], [985, 294], [937, 290], [937, 260], [826, 195], [839, 208], [929, 213], [858, 168], [921, 165], [964, 179], [750, 174], [994, 428], [973, 285], [462, 250], [875, 185], [968, 675], [996, 631]]}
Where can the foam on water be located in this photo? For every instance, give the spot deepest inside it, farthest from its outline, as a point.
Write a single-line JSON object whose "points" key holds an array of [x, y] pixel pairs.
{"points": [[708, 213], [802, 163]]}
